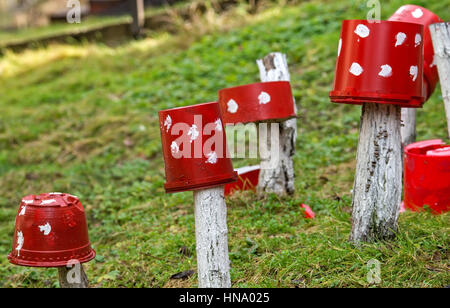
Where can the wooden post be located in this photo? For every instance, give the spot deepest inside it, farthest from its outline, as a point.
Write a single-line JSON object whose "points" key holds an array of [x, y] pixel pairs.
{"points": [[138, 14], [440, 35], [280, 179], [378, 180], [408, 129], [73, 277], [211, 234]]}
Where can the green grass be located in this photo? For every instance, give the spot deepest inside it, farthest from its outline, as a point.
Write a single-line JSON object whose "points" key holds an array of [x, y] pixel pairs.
{"points": [[83, 119]]}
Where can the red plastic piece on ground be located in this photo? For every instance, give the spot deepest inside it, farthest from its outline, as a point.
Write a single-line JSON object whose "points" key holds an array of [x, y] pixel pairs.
{"points": [[379, 63], [51, 231], [265, 101], [309, 214], [247, 180], [194, 148], [420, 15], [427, 177]]}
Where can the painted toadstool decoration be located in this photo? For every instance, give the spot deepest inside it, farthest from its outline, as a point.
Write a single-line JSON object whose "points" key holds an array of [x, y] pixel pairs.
{"points": [[257, 102], [379, 66], [440, 33], [265, 102], [196, 158], [417, 14], [427, 176], [51, 231]]}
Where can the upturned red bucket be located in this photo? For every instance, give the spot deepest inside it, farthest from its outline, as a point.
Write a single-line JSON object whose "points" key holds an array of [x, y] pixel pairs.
{"points": [[257, 102], [51, 231], [419, 15], [379, 63], [194, 148], [247, 180], [427, 176]]}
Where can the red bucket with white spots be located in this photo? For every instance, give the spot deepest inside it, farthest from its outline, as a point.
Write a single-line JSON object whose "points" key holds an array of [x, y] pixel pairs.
{"points": [[417, 14], [51, 231], [258, 102], [194, 148], [379, 63]]}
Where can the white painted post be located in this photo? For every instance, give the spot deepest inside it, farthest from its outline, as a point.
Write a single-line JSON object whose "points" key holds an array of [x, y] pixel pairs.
{"points": [[138, 15], [73, 278], [440, 35], [378, 180], [408, 129], [211, 234], [280, 179]]}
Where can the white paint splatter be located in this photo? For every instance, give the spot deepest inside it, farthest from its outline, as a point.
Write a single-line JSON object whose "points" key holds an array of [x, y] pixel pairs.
{"points": [[386, 71], [218, 125], [434, 61], [417, 13], [362, 30], [174, 147], [28, 201], [264, 98], [356, 69], [20, 241], [212, 157], [400, 10], [232, 106], [168, 123], [401, 37], [417, 40], [47, 202], [23, 210], [46, 229], [413, 71], [339, 47], [193, 132]]}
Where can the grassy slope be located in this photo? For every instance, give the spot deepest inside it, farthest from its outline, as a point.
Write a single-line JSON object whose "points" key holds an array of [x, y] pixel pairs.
{"points": [[84, 120], [56, 29], [59, 28]]}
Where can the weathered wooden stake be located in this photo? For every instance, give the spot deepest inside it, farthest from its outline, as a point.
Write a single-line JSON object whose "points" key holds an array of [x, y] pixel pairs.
{"points": [[138, 15], [408, 129], [440, 34], [280, 179], [212, 238], [378, 180], [73, 278]]}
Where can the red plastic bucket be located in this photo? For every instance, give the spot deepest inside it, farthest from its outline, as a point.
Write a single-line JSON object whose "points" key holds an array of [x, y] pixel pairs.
{"points": [[420, 15], [379, 63], [50, 231], [247, 180], [258, 102], [194, 148], [427, 176]]}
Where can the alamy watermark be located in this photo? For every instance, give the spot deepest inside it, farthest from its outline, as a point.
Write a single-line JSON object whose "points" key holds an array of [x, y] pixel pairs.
{"points": [[208, 141], [74, 13], [73, 275], [374, 271], [374, 14]]}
